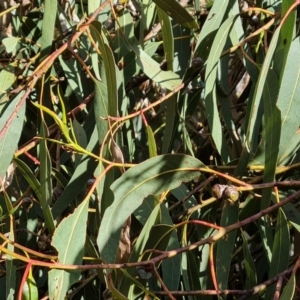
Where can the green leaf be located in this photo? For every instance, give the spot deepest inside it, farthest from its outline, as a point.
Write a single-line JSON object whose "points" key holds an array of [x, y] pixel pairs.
{"points": [[11, 271], [11, 134], [153, 176], [7, 79], [151, 68], [151, 142], [143, 212], [30, 290], [289, 289], [77, 183], [73, 76], [93, 5], [69, 240], [272, 130], [210, 89], [79, 138], [10, 43], [254, 108], [288, 103], [158, 238], [280, 250], [126, 27], [177, 12], [293, 215], [210, 27], [110, 79], [46, 181], [251, 279], [193, 272], [30, 177], [49, 17], [184, 272], [153, 218], [168, 42], [285, 39], [171, 267], [106, 101], [226, 244]]}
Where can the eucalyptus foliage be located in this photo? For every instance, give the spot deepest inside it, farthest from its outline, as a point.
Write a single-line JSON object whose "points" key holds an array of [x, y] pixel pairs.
{"points": [[149, 149]]}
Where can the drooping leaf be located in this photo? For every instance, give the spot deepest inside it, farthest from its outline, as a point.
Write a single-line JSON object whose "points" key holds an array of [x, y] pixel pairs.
{"points": [[288, 102], [153, 176], [168, 42], [289, 289], [210, 89], [30, 289], [280, 250], [110, 78], [225, 245], [11, 134], [255, 109], [167, 79], [177, 12], [251, 279], [69, 240], [210, 27], [46, 181], [285, 39], [77, 182], [171, 267], [272, 134], [50, 10]]}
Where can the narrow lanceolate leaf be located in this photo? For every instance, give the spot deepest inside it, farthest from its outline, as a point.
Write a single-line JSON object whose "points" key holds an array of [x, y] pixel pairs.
{"points": [[254, 111], [210, 27], [280, 251], [272, 133], [29, 177], [171, 267], [285, 39], [11, 270], [46, 181], [177, 12], [69, 240], [10, 138], [49, 17], [230, 215], [110, 69], [106, 95], [168, 42], [151, 142], [210, 89], [288, 103], [250, 270], [139, 246], [153, 176], [30, 290], [82, 173], [151, 68], [289, 289], [168, 39]]}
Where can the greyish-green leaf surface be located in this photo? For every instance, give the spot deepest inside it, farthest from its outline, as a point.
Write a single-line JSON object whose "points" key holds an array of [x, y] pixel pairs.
{"points": [[153, 176]]}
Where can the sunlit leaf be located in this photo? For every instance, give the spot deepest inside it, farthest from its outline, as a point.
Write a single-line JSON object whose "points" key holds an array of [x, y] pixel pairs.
{"points": [[153, 176], [70, 250], [177, 12], [11, 134]]}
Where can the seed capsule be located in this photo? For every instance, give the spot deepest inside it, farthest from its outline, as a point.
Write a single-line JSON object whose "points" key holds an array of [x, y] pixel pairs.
{"points": [[231, 194], [197, 63]]}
